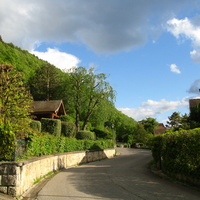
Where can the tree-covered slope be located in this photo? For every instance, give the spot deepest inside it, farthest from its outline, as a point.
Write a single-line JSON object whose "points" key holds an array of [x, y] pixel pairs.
{"points": [[24, 61]]}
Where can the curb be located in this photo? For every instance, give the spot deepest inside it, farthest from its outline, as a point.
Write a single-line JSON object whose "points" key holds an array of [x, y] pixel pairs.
{"points": [[5, 197]]}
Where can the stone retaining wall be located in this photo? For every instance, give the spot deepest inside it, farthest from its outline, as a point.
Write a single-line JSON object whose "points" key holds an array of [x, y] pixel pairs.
{"points": [[17, 177]]}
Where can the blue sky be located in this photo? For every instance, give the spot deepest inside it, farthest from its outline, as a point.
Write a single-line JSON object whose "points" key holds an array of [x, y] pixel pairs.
{"points": [[149, 48]]}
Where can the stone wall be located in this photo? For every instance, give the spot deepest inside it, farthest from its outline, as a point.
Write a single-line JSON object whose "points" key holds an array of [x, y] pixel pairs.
{"points": [[17, 177]]}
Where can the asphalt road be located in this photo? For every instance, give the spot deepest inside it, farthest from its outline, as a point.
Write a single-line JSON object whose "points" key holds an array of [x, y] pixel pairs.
{"points": [[126, 177]]}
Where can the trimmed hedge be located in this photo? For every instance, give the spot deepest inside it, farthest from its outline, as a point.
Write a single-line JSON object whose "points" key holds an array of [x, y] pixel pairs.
{"points": [[52, 126], [68, 129], [46, 144], [36, 125], [85, 135], [178, 152]]}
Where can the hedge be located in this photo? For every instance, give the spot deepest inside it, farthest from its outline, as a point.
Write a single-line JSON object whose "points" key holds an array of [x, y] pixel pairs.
{"points": [[46, 144], [68, 129], [178, 152], [36, 125], [85, 135], [52, 126]]}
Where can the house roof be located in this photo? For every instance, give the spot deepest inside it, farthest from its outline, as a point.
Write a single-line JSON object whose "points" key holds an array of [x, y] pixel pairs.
{"points": [[160, 129], [53, 106]]}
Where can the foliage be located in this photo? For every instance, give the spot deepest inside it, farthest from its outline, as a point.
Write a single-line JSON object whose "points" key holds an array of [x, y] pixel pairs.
{"points": [[68, 129], [46, 144], [87, 95], [14, 101], [141, 135], [105, 134], [195, 116], [123, 125], [176, 121], [44, 85], [86, 90], [7, 142], [149, 124], [179, 152], [67, 118], [52, 126], [36, 125], [24, 62], [85, 135]]}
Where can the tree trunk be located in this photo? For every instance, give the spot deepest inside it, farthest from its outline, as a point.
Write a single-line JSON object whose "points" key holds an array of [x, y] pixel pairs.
{"points": [[77, 120]]}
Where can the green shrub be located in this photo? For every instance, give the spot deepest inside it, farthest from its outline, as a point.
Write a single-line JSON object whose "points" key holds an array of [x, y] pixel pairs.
{"points": [[179, 152], [67, 118], [7, 142], [103, 133], [36, 125], [52, 126], [68, 129], [85, 135], [46, 144]]}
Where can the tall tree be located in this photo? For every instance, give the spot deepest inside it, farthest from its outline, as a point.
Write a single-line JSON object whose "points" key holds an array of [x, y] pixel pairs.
{"points": [[14, 101], [88, 90], [149, 124], [44, 85], [174, 121]]}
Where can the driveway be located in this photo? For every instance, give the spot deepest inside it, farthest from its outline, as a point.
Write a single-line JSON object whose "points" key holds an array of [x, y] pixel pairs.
{"points": [[125, 177]]}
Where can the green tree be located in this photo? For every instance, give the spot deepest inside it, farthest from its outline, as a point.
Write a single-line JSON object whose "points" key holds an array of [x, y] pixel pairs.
{"points": [[149, 124], [124, 125], [176, 121], [87, 90], [45, 84], [141, 135], [194, 116], [14, 101]]}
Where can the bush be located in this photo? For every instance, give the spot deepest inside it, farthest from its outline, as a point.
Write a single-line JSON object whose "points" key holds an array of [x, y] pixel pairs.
{"points": [[85, 135], [103, 134], [36, 125], [52, 126], [68, 129], [46, 144], [7, 142], [67, 118], [179, 152]]}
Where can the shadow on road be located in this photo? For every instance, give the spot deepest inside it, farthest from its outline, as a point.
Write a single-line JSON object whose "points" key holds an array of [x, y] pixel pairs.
{"points": [[122, 178]]}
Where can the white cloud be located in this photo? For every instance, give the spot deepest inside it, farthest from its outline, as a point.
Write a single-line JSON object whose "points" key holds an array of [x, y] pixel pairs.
{"points": [[174, 68], [152, 108], [184, 28], [103, 26], [61, 60]]}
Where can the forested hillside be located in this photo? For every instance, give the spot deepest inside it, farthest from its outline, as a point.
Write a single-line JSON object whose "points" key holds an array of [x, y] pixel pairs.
{"points": [[25, 62], [88, 97]]}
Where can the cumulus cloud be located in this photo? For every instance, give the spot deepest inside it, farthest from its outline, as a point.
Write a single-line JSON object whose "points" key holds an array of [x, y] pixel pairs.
{"points": [[185, 29], [61, 60], [103, 26], [174, 68], [152, 108]]}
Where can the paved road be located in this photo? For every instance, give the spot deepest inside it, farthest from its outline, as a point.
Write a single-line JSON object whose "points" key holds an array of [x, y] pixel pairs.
{"points": [[126, 177]]}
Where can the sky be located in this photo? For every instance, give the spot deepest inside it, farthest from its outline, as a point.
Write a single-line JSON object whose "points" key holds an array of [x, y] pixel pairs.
{"points": [[150, 49]]}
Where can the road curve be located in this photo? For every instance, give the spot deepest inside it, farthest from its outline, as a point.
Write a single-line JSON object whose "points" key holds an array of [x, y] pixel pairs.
{"points": [[125, 177]]}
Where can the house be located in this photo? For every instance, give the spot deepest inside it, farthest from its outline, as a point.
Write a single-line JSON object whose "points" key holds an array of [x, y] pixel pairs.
{"points": [[47, 109], [160, 129], [194, 103]]}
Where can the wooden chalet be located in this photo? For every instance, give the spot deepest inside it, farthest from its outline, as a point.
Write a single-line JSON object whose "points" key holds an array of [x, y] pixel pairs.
{"points": [[160, 129], [47, 109]]}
